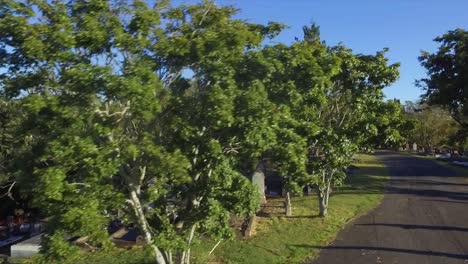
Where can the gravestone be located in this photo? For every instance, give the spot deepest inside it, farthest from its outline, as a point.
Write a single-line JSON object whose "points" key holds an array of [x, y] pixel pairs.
{"points": [[258, 179], [308, 190], [27, 248]]}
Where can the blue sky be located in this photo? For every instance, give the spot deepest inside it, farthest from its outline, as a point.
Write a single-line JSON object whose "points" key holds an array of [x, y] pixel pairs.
{"points": [[366, 26]]}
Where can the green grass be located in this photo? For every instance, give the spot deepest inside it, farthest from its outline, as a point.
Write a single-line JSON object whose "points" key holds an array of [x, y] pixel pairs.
{"points": [[296, 239], [112, 256]]}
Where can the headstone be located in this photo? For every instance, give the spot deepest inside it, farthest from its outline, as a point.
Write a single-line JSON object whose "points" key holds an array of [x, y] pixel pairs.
{"points": [[26, 248], [308, 190], [140, 241], [258, 179]]}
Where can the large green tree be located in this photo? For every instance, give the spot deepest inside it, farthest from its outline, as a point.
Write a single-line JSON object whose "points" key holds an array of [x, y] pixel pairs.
{"points": [[159, 113], [394, 126], [327, 102], [446, 83], [349, 117], [137, 109], [10, 117], [434, 128], [295, 78]]}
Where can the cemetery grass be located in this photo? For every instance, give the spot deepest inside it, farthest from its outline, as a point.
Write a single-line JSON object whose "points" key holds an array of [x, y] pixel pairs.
{"points": [[111, 256], [292, 239]]}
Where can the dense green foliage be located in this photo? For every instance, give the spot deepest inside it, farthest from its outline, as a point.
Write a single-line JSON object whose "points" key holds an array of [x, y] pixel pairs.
{"points": [[157, 113], [395, 126], [446, 85], [447, 70], [433, 128]]}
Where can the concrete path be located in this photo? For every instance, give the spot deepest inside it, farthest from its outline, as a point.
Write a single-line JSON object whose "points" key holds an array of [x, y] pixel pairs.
{"points": [[423, 219]]}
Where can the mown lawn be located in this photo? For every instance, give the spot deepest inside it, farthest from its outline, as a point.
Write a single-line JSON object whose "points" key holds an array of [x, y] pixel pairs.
{"points": [[111, 256], [296, 239]]}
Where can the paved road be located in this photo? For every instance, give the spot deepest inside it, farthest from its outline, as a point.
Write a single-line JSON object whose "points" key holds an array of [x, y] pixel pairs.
{"points": [[423, 219]]}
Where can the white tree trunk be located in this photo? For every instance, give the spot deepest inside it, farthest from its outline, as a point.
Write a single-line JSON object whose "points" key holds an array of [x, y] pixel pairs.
{"points": [[323, 206], [141, 220], [288, 205], [186, 254], [324, 193], [327, 192]]}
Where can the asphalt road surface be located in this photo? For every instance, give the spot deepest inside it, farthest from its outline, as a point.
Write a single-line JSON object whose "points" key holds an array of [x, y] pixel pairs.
{"points": [[423, 219]]}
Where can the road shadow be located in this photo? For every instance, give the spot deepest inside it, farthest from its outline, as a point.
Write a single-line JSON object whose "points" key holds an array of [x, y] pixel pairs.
{"points": [[388, 249], [424, 227], [428, 193], [405, 179], [380, 185], [425, 182], [431, 193], [443, 201], [420, 166]]}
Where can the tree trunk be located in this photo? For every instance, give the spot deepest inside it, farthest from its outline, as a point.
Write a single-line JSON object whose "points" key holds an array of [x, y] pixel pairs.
{"points": [[324, 194], [141, 220], [185, 259], [323, 206], [288, 205], [327, 192]]}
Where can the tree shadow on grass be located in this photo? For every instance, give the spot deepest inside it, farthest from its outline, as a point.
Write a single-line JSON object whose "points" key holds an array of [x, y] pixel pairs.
{"points": [[301, 216], [267, 249], [425, 182], [358, 183], [460, 196]]}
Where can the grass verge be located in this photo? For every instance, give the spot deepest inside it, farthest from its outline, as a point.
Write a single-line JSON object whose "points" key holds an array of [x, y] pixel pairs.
{"points": [[111, 256], [295, 239]]}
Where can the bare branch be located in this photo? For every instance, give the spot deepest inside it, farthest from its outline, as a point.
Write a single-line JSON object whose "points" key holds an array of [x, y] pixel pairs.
{"points": [[215, 246], [8, 193]]}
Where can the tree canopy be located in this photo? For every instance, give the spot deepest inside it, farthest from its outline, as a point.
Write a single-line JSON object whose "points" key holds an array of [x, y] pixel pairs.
{"points": [[446, 83], [431, 127], [159, 113]]}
